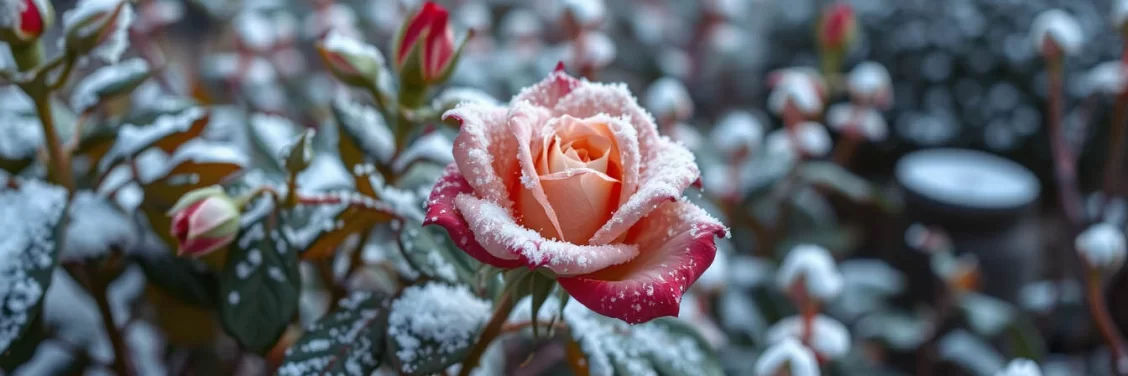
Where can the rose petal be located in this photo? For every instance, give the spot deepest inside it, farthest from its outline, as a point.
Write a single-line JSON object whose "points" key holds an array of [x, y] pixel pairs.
{"points": [[664, 177], [526, 123], [441, 210], [582, 200], [549, 90], [498, 232], [615, 101], [209, 214], [201, 246], [484, 134], [679, 244]]}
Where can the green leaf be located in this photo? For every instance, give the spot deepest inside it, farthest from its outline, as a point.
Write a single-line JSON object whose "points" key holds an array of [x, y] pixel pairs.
{"points": [[29, 256], [833, 176], [362, 135], [23, 348], [259, 285], [167, 132], [350, 340], [109, 82], [184, 278], [432, 326], [435, 255]]}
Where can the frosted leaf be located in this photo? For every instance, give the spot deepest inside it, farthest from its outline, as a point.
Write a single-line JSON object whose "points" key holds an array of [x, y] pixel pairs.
{"points": [[789, 353], [325, 172], [668, 97], [112, 47], [986, 315], [199, 151], [342, 44], [96, 227], [1102, 246], [737, 132], [1044, 296], [10, 13], [1059, 27], [521, 23], [1021, 367], [255, 30], [970, 352], [27, 247], [434, 147], [814, 266], [249, 70], [366, 127], [829, 338], [598, 51], [873, 275], [339, 17], [273, 132], [845, 117], [133, 138], [12, 98], [347, 341], [434, 320], [1110, 78], [803, 88], [812, 139], [588, 13], [870, 80], [93, 87], [23, 134], [900, 331]]}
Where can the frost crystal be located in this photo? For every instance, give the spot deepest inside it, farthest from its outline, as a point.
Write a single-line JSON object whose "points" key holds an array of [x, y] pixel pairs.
{"points": [[814, 266], [789, 353], [434, 320], [829, 338], [27, 245], [114, 46], [668, 97], [1061, 28], [86, 93], [736, 132], [1021, 367], [1102, 245]]}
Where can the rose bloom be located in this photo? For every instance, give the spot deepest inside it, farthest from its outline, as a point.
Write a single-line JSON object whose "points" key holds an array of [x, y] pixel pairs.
{"points": [[573, 177]]}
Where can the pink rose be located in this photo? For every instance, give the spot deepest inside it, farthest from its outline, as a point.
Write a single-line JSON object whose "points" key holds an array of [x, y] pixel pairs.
{"points": [[203, 221], [428, 32], [573, 177]]}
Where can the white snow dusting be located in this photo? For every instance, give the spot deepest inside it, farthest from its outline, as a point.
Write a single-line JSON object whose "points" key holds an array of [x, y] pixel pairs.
{"points": [[114, 46], [668, 97], [737, 131], [789, 357], [87, 93], [367, 126], [96, 227], [1061, 28], [814, 266], [829, 338], [27, 223], [1021, 367], [435, 320], [1102, 245]]}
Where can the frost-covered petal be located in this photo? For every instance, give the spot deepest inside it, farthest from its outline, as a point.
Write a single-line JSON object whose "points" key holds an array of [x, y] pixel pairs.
{"points": [[484, 150], [678, 245], [615, 100], [549, 90], [202, 246], [526, 124], [499, 233], [664, 176], [441, 210], [829, 338]]}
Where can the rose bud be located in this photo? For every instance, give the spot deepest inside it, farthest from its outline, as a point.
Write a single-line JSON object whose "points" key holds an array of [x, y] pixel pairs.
{"points": [[203, 221], [425, 51], [351, 60], [837, 27], [25, 20]]}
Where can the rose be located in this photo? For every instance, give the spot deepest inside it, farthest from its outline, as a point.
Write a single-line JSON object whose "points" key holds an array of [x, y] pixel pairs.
{"points": [[425, 49], [573, 177], [203, 221], [25, 20]]}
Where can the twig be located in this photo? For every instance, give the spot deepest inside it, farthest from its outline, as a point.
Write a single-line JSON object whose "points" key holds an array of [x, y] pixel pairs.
{"points": [[1098, 307], [489, 333], [98, 287]]}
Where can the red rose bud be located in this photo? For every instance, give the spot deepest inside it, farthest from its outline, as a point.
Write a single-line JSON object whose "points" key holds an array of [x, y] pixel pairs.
{"points": [[425, 49], [838, 25], [203, 221], [27, 20]]}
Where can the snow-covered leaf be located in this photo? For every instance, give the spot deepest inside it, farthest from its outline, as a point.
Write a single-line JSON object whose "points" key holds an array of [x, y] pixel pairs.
{"points": [[988, 316], [271, 133], [348, 341], [109, 82], [432, 326], [970, 352], [434, 253], [30, 217], [260, 284], [833, 176], [23, 136], [166, 132]]}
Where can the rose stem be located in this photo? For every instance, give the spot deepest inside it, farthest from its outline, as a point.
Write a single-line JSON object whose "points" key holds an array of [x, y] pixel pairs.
{"points": [[489, 333], [1114, 166], [1099, 309], [97, 287], [851, 137]]}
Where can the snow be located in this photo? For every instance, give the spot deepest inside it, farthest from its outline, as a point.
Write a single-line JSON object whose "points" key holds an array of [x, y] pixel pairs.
{"points": [[435, 319], [114, 46], [1021, 367], [367, 125], [986, 315], [345, 45], [588, 13], [866, 120], [274, 132], [348, 327], [869, 79], [1044, 296], [1110, 78], [255, 30], [969, 351], [27, 223], [668, 97], [87, 93], [750, 272], [829, 338], [434, 147], [902, 332], [1060, 27], [801, 87], [814, 266], [133, 138], [789, 353], [258, 71], [10, 13], [964, 178], [1102, 246], [23, 134], [1119, 13], [96, 227], [737, 132], [598, 48]]}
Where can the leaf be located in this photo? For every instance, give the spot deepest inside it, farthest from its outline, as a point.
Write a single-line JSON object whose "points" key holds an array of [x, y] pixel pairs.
{"points": [[34, 219], [186, 279], [109, 82], [988, 316], [167, 132], [362, 134], [356, 214], [432, 326], [833, 176], [350, 340], [433, 252], [1025, 339], [259, 285], [24, 347]]}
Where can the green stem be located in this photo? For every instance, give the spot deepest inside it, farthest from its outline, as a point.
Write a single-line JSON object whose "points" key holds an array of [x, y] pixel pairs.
{"points": [[28, 56], [60, 164], [489, 333], [68, 67]]}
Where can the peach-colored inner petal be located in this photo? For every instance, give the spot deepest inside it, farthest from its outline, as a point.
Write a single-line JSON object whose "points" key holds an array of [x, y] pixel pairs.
{"points": [[580, 169]]}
